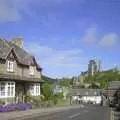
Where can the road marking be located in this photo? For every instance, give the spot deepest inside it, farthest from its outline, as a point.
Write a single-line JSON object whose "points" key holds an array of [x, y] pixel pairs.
{"points": [[75, 115], [85, 111]]}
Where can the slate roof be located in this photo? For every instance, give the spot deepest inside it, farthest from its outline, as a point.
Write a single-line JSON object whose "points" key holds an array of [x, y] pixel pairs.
{"points": [[22, 56], [4, 48], [85, 92]]}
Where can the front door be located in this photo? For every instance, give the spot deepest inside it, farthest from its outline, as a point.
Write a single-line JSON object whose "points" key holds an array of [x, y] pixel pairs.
{"points": [[19, 93]]}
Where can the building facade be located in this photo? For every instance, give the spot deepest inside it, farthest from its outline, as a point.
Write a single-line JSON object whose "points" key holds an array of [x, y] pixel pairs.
{"points": [[86, 95], [20, 74]]}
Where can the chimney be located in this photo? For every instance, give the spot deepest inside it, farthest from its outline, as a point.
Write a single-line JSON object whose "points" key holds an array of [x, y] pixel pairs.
{"points": [[17, 41]]}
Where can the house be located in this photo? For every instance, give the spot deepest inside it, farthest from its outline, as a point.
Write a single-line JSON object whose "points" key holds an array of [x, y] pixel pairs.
{"points": [[86, 95], [91, 95], [113, 91], [20, 74]]}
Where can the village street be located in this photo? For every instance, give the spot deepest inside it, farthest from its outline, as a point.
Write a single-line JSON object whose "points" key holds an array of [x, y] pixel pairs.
{"points": [[89, 112]]}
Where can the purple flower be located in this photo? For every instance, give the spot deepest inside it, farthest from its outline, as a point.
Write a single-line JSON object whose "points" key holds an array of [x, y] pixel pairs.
{"points": [[15, 107]]}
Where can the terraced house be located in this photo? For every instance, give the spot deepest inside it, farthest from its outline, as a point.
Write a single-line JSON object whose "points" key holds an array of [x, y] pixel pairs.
{"points": [[20, 73]]}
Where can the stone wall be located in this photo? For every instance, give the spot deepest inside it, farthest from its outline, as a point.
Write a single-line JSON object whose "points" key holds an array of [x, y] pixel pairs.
{"points": [[8, 100]]}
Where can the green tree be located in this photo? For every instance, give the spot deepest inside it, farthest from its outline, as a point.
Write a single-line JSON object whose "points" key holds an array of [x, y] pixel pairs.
{"points": [[47, 91], [64, 83], [103, 78]]}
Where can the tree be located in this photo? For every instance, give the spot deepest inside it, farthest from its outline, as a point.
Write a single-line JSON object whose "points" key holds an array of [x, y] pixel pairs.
{"points": [[47, 91], [103, 78], [64, 82]]}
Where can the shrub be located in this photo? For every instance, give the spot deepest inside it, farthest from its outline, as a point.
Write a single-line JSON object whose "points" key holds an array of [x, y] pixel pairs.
{"points": [[2, 102], [37, 101], [57, 97]]}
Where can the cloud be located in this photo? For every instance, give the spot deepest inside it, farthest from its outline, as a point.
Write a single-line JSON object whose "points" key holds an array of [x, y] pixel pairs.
{"points": [[50, 58], [90, 35], [8, 12], [11, 10], [109, 40]]}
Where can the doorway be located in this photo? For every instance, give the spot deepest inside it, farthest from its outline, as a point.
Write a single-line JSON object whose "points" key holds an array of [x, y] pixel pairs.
{"points": [[19, 93]]}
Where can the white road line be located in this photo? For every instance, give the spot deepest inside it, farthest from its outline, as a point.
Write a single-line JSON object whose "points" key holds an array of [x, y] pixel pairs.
{"points": [[75, 115], [85, 111], [78, 114]]}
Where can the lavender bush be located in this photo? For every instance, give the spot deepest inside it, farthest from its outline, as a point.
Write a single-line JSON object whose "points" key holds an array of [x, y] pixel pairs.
{"points": [[15, 107]]}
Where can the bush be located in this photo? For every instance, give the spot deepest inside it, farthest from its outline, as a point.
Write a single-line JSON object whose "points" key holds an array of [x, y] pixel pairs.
{"points": [[2, 102], [57, 97], [35, 100], [38, 101]]}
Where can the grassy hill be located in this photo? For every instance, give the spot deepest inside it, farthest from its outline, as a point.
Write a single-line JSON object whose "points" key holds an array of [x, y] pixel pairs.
{"points": [[48, 79]]}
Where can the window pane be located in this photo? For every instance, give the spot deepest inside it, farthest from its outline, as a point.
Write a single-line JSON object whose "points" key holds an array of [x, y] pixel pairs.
{"points": [[10, 66], [31, 89], [2, 89], [12, 83], [12, 91], [8, 91], [3, 84]]}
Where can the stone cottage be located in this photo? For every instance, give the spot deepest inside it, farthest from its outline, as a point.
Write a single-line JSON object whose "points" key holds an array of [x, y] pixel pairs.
{"points": [[20, 74]]}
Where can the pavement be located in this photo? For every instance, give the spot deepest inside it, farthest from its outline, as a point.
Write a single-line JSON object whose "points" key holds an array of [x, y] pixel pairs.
{"points": [[19, 115]]}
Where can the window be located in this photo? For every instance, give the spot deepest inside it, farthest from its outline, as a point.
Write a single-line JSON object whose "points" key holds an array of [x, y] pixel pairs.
{"points": [[31, 70], [37, 91], [11, 87], [31, 89], [10, 66], [34, 89], [2, 89], [7, 89]]}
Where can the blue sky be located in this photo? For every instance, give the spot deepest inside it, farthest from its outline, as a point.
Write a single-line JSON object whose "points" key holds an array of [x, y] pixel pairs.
{"points": [[64, 34]]}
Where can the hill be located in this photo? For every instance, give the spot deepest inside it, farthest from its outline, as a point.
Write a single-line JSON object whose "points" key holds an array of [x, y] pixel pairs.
{"points": [[48, 79]]}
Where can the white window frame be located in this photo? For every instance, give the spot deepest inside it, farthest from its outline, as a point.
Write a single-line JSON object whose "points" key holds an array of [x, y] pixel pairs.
{"points": [[31, 70], [34, 89], [7, 85], [10, 66], [31, 89]]}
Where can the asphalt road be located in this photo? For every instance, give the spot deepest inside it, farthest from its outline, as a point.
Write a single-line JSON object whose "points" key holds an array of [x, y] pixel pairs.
{"points": [[89, 112]]}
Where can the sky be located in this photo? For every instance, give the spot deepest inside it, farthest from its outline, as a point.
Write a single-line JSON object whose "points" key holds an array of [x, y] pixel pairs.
{"points": [[64, 35]]}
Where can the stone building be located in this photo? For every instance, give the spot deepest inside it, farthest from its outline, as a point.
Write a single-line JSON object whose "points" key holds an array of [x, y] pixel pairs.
{"points": [[20, 74], [92, 67]]}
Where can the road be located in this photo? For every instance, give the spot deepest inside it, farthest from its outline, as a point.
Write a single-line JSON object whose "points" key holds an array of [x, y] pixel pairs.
{"points": [[89, 112]]}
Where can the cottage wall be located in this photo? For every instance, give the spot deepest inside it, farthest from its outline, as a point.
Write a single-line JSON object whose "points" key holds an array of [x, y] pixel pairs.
{"points": [[19, 70], [8, 100], [37, 73]]}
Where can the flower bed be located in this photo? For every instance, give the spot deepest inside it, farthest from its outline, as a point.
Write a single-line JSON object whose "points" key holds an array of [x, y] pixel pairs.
{"points": [[15, 107]]}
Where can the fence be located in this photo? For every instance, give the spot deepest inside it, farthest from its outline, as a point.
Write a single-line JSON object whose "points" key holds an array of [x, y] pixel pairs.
{"points": [[115, 115]]}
